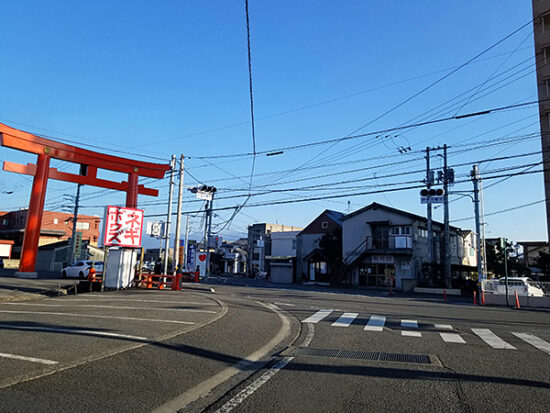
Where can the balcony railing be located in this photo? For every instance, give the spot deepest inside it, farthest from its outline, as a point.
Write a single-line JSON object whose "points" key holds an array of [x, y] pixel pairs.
{"points": [[389, 242]]}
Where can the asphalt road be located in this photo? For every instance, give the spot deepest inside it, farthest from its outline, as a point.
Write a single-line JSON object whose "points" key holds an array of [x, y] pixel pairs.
{"points": [[248, 349]]}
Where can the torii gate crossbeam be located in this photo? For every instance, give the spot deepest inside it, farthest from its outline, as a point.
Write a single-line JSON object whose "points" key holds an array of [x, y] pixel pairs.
{"points": [[47, 149]]}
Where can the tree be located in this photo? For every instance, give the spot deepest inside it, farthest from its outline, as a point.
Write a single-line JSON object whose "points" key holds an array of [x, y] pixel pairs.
{"points": [[330, 245], [495, 258]]}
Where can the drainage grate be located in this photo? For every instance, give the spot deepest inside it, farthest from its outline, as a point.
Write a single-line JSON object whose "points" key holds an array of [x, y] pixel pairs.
{"points": [[364, 355]]}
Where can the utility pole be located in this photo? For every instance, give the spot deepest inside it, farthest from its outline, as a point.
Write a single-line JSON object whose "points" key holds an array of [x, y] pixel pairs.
{"points": [[75, 217], [169, 215], [429, 181], [475, 179], [484, 246], [178, 219], [185, 245], [209, 217], [447, 260]]}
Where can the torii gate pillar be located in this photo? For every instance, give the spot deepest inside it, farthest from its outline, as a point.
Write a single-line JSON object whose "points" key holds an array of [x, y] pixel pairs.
{"points": [[47, 149], [34, 218]]}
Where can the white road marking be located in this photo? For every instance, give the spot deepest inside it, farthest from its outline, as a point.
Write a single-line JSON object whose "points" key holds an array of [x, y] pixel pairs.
{"points": [[411, 333], [287, 304], [204, 388], [191, 310], [443, 326], [345, 320], [24, 358], [376, 323], [409, 323], [92, 298], [492, 339], [318, 316], [98, 316], [256, 384], [72, 330], [534, 341], [452, 338]]}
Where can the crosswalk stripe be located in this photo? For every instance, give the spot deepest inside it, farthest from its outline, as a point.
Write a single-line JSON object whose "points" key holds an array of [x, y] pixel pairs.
{"points": [[345, 320], [411, 333], [492, 339], [452, 338], [318, 316], [376, 323], [534, 341], [409, 323], [443, 326]]}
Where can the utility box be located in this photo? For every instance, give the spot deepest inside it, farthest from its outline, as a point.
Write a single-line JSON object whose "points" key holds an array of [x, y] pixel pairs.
{"points": [[121, 267]]}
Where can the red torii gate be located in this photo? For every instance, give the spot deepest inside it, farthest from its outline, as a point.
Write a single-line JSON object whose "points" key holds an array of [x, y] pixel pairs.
{"points": [[47, 149]]}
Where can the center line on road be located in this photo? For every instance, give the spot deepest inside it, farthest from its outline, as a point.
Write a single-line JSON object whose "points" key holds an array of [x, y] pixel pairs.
{"points": [[534, 341], [492, 339], [345, 320], [92, 298], [191, 310], [98, 316], [24, 358], [376, 323], [72, 331], [452, 338], [318, 316], [409, 323]]}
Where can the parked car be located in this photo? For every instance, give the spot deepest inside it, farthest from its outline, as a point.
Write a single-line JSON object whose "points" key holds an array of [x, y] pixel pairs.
{"points": [[523, 286], [80, 269]]}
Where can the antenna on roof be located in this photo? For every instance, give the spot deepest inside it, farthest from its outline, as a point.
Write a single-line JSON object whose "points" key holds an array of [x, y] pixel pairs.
{"points": [[349, 205]]}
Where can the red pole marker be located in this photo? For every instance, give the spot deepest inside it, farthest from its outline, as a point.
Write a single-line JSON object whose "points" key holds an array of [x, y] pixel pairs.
{"points": [[517, 299], [482, 297], [475, 298]]}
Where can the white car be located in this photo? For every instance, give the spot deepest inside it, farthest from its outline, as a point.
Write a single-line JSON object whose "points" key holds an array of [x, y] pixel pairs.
{"points": [[80, 269], [523, 286]]}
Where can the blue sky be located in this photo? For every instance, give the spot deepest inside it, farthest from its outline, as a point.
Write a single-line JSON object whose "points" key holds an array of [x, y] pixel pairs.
{"points": [[166, 77]]}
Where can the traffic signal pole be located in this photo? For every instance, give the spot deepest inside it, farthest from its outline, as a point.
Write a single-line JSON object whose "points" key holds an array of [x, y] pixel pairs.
{"points": [[429, 211], [447, 260], [475, 179], [177, 264]]}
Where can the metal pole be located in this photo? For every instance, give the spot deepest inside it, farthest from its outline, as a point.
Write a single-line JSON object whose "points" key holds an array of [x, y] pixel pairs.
{"points": [[75, 217], [484, 249], [475, 179], [429, 209], [209, 235], [169, 215], [447, 261], [178, 218], [206, 210], [185, 246], [506, 270]]}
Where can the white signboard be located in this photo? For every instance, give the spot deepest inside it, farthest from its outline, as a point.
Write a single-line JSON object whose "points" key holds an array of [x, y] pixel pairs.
{"points": [[431, 199], [123, 226], [207, 196]]}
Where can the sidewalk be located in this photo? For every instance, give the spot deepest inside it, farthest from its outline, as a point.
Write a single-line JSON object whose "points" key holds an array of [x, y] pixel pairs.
{"points": [[20, 289]]}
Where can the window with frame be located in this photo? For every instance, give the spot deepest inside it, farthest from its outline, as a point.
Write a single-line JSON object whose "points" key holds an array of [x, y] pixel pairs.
{"points": [[324, 224]]}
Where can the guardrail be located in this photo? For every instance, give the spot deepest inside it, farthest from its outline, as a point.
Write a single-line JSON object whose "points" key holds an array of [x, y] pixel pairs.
{"points": [[161, 282]]}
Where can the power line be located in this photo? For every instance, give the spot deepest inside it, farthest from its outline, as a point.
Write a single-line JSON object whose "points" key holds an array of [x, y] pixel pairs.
{"points": [[378, 132]]}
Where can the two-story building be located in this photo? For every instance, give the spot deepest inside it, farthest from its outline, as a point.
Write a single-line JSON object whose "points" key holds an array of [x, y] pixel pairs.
{"points": [[259, 244], [55, 227], [382, 244]]}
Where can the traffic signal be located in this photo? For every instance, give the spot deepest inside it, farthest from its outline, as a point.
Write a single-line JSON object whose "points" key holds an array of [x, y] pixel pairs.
{"points": [[432, 192]]}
